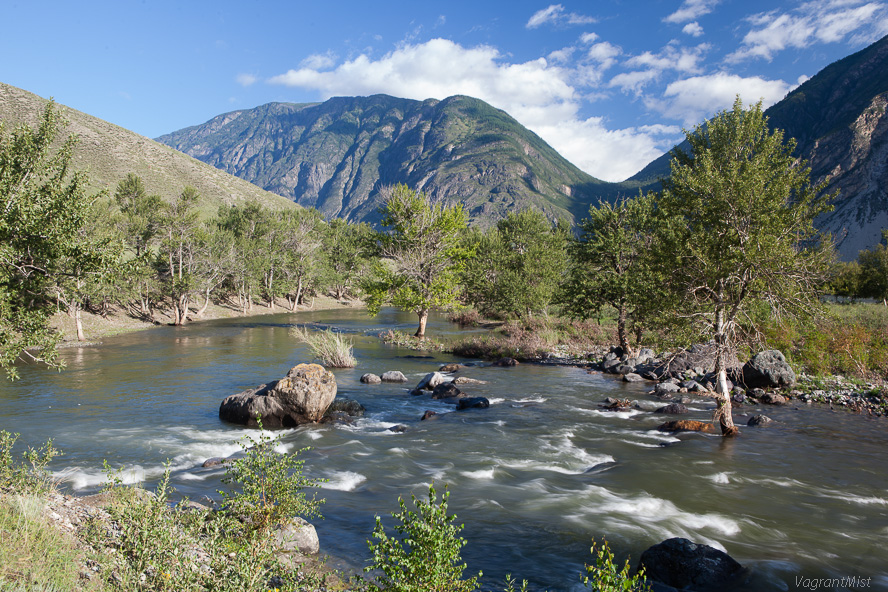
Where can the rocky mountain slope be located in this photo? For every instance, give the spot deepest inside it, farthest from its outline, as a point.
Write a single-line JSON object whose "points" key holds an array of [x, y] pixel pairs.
{"points": [[839, 120], [336, 155], [109, 152]]}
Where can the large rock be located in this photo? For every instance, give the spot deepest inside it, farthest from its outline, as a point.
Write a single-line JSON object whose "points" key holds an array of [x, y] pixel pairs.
{"points": [[371, 379], [297, 536], [431, 380], [768, 369], [685, 565], [672, 409], [302, 396], [447, 390]]}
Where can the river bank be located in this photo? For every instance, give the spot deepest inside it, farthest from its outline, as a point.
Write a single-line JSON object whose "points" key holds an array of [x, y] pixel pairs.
{"points": [[119, 322]]}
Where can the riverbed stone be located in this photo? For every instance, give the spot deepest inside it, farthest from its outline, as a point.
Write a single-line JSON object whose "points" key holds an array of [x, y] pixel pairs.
{"points": [[688, 425], [773, 399], [371, 379], [398, 429], [447, 390], [393, 376], [431, 380], [506, 362], [467, 380], [429, 414], [609, 365], [348, 406], [472, 403], [666, 388], [451, 367], [302, 396], [632, 377], [768, 369], [759, 420], [672, 409], [685, 565]]}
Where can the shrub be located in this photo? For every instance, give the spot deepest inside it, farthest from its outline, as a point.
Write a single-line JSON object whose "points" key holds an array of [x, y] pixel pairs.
{"points": [[427, 557], [330, 348], [605, 576], [29, 476]]}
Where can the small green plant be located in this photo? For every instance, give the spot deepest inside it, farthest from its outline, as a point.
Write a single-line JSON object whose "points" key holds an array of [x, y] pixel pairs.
{"points": [[30, 475], [427, 556], [605, 576], [332, 349]]}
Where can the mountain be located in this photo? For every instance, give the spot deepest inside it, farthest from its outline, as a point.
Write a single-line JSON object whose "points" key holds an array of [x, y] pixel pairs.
{"points": [[336, 155], [108, 152], [838, 117]]}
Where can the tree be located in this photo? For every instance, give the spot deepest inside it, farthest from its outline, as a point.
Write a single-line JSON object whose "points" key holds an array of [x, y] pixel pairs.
{"points": [[518, 265], [346, 257], [178, 250], [743, 236], [873, 274], [42, 208], [611, 263], [424, 255], [427, 559]]}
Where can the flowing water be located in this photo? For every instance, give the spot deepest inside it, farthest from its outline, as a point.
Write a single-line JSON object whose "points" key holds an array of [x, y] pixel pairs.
{"points": [[534, 478]]}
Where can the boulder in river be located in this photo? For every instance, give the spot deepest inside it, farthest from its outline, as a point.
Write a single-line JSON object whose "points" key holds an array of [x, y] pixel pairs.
{"points": [[467, 380], [393, 376], [773, 399], [506, 362], [450, 368], [684, 565], [431, 380], [672, 409], [759, 420], [302, 396], [429, 414], [371, 379], [472, 403], [447, 390]]}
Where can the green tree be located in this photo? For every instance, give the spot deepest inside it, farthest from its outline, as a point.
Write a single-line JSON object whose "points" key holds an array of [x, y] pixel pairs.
{"points": [[423, 255], [347, 257], [518, 266], [43, 205], [178, 257], [427, 557], [612, 264], [846, 279], [874, 271], [744, 209]]}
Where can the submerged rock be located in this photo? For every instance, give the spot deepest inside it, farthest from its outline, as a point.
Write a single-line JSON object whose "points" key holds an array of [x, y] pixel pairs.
{"points": [[506, 362], [672, 409], [688, 425], [429, 414], [302, 396], [472, 403], [447, 390], [398, 429], [467, 380], [759, 420], [684, 565], [450, 368]]}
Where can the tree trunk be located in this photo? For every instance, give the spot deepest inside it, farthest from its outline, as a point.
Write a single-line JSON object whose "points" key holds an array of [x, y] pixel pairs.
{"points": [[621, 329], [78, 322], [423, 319], [723, 401], [206, 303]]}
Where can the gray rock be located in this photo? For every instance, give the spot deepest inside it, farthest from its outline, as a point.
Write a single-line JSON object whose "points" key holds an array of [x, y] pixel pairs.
{"points": [[684, 565], [673, 409], [632, 377], [450, 368], [348, 406], [214, 462], [644, 355], [393, 376], [624, 369], [665, 388], [297, 536], [429, 414], [607, 365], [698, 359], [398, 429], [371, 379], [768, 369], [431, 380], [759, 420], [773, 399], [467, 380]]}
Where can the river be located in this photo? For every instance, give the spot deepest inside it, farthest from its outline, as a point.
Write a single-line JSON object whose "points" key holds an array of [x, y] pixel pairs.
{"points": [[534, 478]]}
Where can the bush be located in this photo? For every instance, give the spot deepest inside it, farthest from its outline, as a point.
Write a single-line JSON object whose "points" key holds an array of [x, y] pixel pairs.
{"points": [[331, 349], [605, 576], [29, 476], [427, 557]]}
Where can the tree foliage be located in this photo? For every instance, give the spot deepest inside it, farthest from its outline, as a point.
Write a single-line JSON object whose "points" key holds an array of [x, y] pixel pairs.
{"points": [[43, 205], [612, 264], [423, 255], [518, 266], [743, 235], [873, 271]]}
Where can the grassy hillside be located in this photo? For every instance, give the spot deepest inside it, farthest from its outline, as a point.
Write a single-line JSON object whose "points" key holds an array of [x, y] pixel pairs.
{"points": [[108, 152]]}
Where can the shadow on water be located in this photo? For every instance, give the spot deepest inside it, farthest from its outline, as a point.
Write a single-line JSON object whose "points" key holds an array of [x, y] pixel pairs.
{"points": [[534, 478]]}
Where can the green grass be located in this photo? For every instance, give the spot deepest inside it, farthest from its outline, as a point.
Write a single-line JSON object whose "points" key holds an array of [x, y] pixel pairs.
{"points": [[332, 349]]}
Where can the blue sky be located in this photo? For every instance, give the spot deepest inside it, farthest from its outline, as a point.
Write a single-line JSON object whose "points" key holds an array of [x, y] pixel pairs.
{"points": [[609, 83]]}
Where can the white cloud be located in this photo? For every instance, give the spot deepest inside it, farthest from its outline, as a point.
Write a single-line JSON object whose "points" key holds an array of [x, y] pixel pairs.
{"points": [[555, 14], [694, 99], [681, 59], [561, 56], [539, 94], [633, 81], [246, 79], [319, 61], [691, 10], [589, 37], [693, 29], [820, 21]]}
